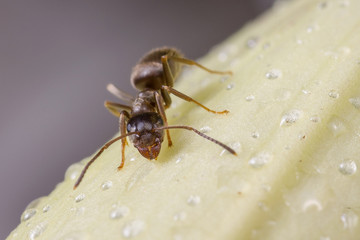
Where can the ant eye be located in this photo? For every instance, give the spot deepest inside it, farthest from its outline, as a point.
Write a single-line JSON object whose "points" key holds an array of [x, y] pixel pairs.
{"points": [[131, 128], [147, 126], [140, 126]]}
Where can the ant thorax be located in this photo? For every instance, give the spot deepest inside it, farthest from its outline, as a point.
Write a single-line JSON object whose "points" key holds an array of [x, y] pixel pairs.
{"points": [[144, 102]]}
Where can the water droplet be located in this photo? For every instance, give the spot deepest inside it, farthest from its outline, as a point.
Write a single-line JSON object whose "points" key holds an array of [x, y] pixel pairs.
{"points": [[119, 212], [46, 208], [180, 216], [133, 228], [299, 41], [312, 203], [80, 197], [34, 203], [336, 126], [306, 92], [205, 129], [27, 214], [250, 98], [230, 86], [315, 119], [132, 159], [37, 230], [290, 117], [273, 74], [348, 167], [106, 185], [255, 135], [78, 210], [252, 42], [355, 102], [260, 159], [73, 171], [312, 28], [193, 200], [178, 160], [333, 94], [349, 219]]}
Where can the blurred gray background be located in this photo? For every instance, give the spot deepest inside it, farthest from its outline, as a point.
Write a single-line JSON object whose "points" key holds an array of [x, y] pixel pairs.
{"points": [[56, 58]]}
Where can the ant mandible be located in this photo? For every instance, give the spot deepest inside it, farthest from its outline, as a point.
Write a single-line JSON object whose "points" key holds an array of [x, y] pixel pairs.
{"points": [[144, 119]]}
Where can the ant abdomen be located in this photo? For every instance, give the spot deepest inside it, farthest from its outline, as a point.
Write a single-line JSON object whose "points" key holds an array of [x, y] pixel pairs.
{"points": [[149, 72]]}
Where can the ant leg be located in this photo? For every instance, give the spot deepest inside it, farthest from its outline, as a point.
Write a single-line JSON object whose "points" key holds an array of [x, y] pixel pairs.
{"points": [[120, 94], [115, 107], [108, 144], [160, 106], [193, 63], [170, 80], [166, 97], [122, 127], [189, 99]]}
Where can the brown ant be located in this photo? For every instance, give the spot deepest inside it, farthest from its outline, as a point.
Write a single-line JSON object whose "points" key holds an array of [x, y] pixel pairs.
{"points": [[154, 76]]}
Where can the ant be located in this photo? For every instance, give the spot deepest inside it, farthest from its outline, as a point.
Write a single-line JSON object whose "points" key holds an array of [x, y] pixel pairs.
{"points": [[144, 119]]}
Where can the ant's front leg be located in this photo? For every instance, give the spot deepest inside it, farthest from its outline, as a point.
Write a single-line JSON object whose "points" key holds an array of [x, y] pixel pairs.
{"points": [[161, 109], [119, 110], [122, 127]]}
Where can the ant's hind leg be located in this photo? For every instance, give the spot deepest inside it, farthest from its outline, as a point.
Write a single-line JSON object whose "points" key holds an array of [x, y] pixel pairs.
{"points": [[170, 80], [122, 125], [189, 99], [165, 61], [116, 108], [161, 109]]}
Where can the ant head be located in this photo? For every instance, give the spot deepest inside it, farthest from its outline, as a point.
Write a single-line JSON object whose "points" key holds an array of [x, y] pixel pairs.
{"points": [[147, 140]]}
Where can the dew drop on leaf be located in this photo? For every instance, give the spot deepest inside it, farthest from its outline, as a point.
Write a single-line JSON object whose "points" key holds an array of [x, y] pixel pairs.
{"points": [[347, 167], [106, 185], [273, 74], [27, 214], [133, 228]]}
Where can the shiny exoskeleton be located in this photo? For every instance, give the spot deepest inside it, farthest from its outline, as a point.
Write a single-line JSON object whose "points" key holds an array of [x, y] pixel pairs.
{"points": [[143, 118]]}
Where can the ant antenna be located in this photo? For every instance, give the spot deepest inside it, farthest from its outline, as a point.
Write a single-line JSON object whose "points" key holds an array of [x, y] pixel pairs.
{"points": [[108, 144], [232, 151]]}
